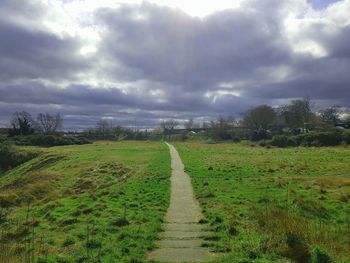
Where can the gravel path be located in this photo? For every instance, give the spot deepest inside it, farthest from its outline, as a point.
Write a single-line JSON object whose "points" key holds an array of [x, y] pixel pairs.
{"points": [[181, 241]]}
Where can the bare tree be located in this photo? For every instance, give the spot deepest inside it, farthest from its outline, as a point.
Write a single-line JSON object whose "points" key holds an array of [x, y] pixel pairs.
{"points": [[221, 129], [189, 124], [22, 123], [48, 123], [331, 115], [298, 113], [260, 117], [103, 128], [168, 126]]}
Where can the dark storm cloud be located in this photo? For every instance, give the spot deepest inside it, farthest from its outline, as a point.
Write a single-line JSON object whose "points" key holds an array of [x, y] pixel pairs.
{"points": [[338, 44], [32, 52], [86, 105], [85, 96], [335, 40], [326, 78], [193, 56], [162, 63], [35, 54], [162, 44]]}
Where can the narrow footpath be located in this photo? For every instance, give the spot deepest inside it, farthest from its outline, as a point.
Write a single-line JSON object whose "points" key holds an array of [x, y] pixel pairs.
{"points": [[181, 241]]}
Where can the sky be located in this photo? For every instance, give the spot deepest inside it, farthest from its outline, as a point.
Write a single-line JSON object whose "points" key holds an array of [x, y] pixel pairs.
{"points": [[131, 61]]}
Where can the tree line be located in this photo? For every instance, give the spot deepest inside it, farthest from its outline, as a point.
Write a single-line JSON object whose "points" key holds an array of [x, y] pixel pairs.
{"points": [[296, 115], [106, 130], [263, 122], [255, 124], [22, 123]]}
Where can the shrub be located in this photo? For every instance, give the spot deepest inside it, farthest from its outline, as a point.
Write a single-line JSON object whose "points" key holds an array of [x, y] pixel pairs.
{"points": [[332, 138], [49, 140], [292, 142], [260, 134], [319, 255], [236, 139], [2, 138], [82, 140], [283, 141], [11, 156], [305, 139], [315, 139], [262, 143], [329, 138], [210, 141], [69, 241], [346, 137]]}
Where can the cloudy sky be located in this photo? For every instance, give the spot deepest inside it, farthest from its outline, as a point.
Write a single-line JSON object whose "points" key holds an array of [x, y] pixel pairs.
{"points": [[128, 60]]}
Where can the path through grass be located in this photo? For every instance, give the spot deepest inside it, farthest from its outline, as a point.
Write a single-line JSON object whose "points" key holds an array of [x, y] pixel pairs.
{"points": [[183, 238]]}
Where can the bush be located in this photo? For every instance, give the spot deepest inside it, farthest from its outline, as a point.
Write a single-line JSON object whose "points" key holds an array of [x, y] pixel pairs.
{"points": [[283, 141], [49, 140], [236, 139], [260, 134], [263, 143], [10, 156], [346, 137], [315, 139], [329, 138], [210, 141], [2, 138], [319, 255], [69, 241], [332, 138], [221, 134]]}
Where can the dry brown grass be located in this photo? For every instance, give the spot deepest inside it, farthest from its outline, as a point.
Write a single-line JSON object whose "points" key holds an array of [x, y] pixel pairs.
{"points": [[333, 181], [11, 253], [32, 187], [101, 176], [294, 237]]}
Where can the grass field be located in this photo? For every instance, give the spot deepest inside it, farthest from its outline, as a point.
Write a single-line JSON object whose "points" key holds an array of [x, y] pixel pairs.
{"points": [[102, 202], [273, 205], [105, 202]]}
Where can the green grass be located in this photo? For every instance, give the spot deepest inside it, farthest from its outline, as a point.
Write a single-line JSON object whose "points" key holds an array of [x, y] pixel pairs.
{"points": [[273, 205], [103, 202]]}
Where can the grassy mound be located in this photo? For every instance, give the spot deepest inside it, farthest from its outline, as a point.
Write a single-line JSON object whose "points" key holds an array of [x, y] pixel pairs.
{"points": [[11, 156], [102, 202]]}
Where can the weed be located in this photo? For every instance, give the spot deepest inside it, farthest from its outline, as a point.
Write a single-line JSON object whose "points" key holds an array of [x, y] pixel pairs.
{"points": [[320, 255], [69, 241]]}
